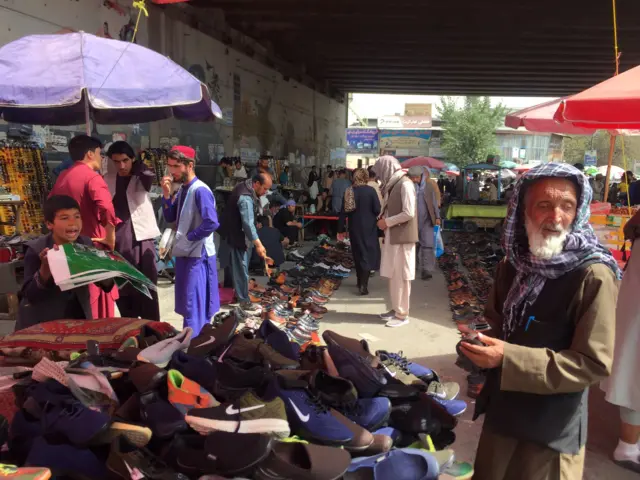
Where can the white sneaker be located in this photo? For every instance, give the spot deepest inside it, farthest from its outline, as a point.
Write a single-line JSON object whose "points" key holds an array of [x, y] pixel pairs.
{"points": [[397, 322], [323, 266], [342, 269]]}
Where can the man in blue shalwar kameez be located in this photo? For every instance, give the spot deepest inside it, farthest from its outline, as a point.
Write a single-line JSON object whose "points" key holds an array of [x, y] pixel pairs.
{"points": [[194, 211]]}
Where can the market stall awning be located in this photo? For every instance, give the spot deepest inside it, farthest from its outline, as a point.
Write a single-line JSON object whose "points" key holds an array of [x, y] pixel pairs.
{"points": [[51, 79], [612, 104], [540, 118], [424, 162]]}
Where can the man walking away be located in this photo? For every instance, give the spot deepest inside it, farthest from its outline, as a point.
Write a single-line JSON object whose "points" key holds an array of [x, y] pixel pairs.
{"points": [[338, 187], [194, 211], [428, 217], [238, 232]]}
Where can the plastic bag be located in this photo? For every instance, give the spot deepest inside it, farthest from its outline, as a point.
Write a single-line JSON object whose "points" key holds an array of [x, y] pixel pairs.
{"points": [[437, 241]]}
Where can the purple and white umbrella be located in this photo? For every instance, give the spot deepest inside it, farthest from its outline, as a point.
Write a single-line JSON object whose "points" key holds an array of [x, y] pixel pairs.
{"points": [[64, 79]]}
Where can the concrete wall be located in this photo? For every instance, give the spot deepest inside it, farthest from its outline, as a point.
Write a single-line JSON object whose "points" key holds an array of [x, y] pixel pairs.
{"points": [[263, 111]]}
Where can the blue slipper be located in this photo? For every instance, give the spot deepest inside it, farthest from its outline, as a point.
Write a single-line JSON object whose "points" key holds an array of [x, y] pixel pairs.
{"points": [[401, 464]]}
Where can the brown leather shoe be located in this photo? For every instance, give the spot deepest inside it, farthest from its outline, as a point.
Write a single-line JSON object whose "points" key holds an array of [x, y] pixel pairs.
{"points": [[312, 307]]}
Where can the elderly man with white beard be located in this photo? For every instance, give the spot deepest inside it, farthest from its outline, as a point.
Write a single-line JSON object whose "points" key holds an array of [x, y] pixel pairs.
{"points": [[552, 313]]}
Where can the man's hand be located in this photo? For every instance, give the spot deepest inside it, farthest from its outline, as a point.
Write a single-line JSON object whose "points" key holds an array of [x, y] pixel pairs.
{"points": [[260, 250], [484, 357], [382, 225], [109, 240], [45, 271], [438, 222], [166, 187]]}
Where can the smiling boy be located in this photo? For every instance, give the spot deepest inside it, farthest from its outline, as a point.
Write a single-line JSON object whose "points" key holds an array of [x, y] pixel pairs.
{"points": [[40, 299]]}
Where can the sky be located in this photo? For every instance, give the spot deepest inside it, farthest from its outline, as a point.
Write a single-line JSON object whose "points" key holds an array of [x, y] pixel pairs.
{"points": [[370, 105]]}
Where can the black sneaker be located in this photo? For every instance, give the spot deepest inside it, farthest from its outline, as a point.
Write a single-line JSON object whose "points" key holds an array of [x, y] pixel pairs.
{"points": [[128, 461], [212, 339], [253, 412]]}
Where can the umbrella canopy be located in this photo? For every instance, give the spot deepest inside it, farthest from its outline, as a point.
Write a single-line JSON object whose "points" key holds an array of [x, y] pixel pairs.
{"points": [[523, 168], [49, 79], [591, 171], [423, 162], [507, 164], [451, 167], [540, 118], [616, 172], [451, 172], [612, 104]]}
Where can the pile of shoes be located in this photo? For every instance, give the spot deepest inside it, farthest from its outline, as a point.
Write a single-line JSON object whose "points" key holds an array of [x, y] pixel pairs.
{"points": [[231, 403], [295, 299], [469, 264]]}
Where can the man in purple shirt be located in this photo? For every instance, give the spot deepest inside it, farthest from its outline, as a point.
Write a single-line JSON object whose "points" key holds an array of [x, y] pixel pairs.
{"points": [[194, 211]]}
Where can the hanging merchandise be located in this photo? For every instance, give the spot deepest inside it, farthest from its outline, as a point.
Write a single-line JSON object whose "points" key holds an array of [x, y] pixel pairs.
{"points": [[156, 160], [23, 174]]}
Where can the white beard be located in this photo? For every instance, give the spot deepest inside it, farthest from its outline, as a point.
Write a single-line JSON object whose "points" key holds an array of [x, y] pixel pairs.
{"points": [[542, 247]]}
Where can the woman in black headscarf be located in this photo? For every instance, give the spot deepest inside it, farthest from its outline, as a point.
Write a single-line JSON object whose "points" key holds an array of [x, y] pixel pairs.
{"points": [[362, 207]]}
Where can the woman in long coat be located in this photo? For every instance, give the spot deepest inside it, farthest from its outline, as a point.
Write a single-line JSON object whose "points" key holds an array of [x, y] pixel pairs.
{"points": [[362, 207]]}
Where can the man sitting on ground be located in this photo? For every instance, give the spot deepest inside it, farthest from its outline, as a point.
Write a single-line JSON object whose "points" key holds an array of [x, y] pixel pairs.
{"points": [[551, 311]]}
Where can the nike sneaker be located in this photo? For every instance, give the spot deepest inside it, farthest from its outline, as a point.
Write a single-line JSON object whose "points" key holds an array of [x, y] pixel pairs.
{"points": [[24, 473], [308, 416], [443, 391], [359, 368], [212, 339], [185, 394], [423, 373], [257, 350], [369, 413], [398, 370], [128, 461], [253, 412]]}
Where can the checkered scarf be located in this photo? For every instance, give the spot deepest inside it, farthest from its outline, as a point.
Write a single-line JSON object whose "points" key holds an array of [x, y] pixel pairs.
{"points": [[581, 246]]}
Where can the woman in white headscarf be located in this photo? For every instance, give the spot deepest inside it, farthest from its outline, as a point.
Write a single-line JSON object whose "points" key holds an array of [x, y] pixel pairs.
{"points": [[399, 222]]}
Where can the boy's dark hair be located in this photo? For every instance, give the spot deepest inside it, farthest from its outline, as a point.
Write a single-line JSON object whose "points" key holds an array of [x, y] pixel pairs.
{"points": [[55, 203], [81, 144], [264, 220], [123, 148]]}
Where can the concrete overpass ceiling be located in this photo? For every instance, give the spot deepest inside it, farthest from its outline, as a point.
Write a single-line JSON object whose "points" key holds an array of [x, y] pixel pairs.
{"points": [[464, 47]]}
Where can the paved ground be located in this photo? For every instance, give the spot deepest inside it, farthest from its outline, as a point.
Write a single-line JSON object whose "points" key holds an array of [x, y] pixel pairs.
{"points": [[430, 339]]}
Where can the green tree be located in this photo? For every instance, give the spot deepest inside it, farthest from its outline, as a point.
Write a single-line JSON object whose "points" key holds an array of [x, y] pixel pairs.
{"points": [[574, 148], [469, 131]]}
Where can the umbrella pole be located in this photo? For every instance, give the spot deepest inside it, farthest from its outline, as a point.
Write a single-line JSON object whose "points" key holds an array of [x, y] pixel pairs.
{"points": [[87, 114], [612, 146]]}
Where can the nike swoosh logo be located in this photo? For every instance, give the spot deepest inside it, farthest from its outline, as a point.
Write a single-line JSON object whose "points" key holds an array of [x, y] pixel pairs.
{"points": [[233, 411], [211, 340], [304, 418], [223, 354], [134, 473], [393, 374]]}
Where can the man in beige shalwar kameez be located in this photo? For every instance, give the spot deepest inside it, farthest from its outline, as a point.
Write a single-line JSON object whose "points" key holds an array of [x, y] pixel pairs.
{"points": [[399, 222]]}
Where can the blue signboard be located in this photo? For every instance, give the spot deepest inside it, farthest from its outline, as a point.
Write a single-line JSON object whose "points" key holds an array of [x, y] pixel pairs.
{"points": [[362, 140]]}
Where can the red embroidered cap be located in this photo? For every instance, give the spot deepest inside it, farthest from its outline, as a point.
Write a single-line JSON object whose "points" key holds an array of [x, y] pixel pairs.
{"points": [[186, 151]]}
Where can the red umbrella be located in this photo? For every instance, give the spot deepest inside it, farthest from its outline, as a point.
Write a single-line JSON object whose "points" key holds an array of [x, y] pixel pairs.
{"points": [[539, 118], [423, 162], [612, 104]]}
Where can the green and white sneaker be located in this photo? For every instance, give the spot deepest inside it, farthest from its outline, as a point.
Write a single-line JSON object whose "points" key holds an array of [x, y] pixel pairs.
{"points": [[253, 412]]}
